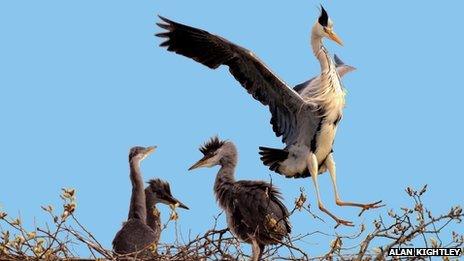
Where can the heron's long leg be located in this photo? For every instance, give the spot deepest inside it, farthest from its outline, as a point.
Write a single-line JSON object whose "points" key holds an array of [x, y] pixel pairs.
{"points": [[256, 250], [313, 169], [330, 164], [261, 252]]}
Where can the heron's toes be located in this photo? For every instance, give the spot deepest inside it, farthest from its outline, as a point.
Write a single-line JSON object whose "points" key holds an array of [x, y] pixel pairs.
{"points": [[371, 205], [344, 223]]}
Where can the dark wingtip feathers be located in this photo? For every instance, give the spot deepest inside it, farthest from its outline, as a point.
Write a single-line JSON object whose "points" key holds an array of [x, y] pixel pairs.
{"points": [[324, 17], [211, 146], [162, 35], [164, 19], [164, 26], [197, 44], [167, 25]]}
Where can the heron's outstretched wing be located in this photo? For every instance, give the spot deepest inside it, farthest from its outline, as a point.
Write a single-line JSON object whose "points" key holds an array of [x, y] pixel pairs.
{"points": [[284, 103]]}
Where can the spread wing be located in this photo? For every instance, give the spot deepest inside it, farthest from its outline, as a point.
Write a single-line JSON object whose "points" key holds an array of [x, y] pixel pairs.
{"points": [[284, 103]]}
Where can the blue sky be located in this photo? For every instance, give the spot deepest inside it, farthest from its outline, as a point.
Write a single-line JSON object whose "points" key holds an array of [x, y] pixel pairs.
{"points": [[83, 81]]}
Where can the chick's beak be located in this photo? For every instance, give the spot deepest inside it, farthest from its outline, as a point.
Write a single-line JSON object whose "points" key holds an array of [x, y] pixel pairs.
{"points": [[150, 150], [176, 203], [182, 205], [199, 164]]}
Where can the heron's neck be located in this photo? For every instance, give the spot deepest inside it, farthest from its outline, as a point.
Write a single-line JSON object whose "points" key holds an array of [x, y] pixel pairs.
{"points": [[320, 52], [137, 207], [225, 180], [153, 215], [329, 94]]}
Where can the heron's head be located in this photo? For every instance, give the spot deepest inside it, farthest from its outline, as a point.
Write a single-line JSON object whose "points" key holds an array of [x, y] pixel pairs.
{"points": [[138, 153], [161, 193], [324, 27], [214, 151]]}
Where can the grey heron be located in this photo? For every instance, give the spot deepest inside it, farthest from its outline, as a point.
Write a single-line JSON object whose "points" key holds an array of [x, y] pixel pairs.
{"points": [[143, 225], [306, 122], [254, 210]]}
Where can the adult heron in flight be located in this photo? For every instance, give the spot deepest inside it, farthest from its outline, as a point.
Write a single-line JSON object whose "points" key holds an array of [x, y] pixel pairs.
{"points": [[254, 210], [306, 122], [143, 226]]}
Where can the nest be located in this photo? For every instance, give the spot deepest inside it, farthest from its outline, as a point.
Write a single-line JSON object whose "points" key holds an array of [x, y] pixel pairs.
{"points": [[407, 226]]}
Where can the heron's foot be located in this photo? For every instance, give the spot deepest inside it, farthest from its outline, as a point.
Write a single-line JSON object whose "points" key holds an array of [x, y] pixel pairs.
{"points": [[338, 220], [359, 205], [371, 205], [343, 222]]}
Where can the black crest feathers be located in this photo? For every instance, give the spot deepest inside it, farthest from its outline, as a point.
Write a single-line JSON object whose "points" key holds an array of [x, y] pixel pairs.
{"points": [[211, 146], [324, 18], [159, 185]]}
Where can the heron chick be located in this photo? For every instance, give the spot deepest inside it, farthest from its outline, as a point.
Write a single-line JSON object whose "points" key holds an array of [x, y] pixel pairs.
{"points": [[158, 191], [143, 226], [254, 210]]}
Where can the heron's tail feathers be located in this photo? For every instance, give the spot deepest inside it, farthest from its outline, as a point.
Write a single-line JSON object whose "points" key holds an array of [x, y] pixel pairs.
{"points": [[272, 157]]}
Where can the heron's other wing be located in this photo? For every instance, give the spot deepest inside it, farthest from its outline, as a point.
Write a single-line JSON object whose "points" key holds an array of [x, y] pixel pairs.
{"points": [[300, 87], [342, 69], [338, 61], [260, 205], [211, 50]]}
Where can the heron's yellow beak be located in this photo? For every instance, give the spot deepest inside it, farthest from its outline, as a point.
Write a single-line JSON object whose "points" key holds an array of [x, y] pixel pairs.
{"points": [[150, 150], [333, 36], [201, 163]]}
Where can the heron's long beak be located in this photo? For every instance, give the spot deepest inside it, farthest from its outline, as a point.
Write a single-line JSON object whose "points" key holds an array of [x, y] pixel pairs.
{"points": [[182, 205], [175, 202], [334, 37], [147, 152], [199, 164], [150, 150]]}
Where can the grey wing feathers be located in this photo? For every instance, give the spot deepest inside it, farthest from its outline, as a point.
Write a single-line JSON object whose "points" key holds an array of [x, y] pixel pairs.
{"points": [[342, 69], [257, 202], [338, 61], [300, 87], [211, 50], [135, 235], [194, 43]]}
